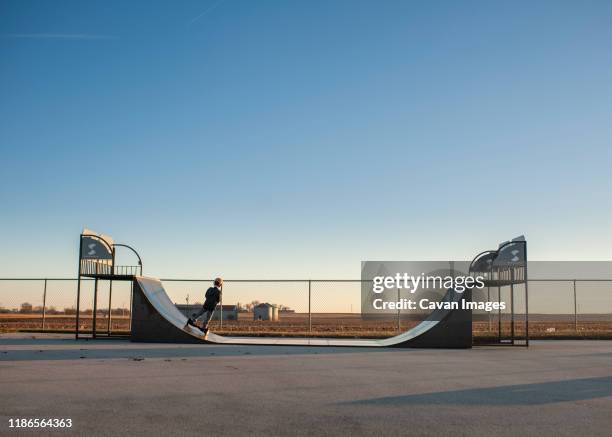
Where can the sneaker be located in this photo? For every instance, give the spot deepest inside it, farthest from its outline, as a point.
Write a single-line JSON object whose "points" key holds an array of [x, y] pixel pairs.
{"points": [[189, 322]]}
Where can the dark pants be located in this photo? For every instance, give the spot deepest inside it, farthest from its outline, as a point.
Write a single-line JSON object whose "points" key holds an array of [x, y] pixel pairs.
{"points": [[205, 314]]}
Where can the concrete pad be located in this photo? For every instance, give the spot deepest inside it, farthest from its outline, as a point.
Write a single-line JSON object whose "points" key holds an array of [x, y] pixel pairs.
{"points": [[109, 387]]}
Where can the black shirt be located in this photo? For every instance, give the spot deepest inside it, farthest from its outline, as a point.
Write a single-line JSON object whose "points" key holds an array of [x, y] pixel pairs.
{"points": [[213, 297]]}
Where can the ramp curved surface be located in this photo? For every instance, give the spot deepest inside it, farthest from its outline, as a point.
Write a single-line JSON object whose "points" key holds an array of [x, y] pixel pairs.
{"points": [[155, 318]]}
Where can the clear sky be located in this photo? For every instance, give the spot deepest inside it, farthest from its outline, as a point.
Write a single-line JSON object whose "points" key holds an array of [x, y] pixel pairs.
{"points": [[270, 139]]}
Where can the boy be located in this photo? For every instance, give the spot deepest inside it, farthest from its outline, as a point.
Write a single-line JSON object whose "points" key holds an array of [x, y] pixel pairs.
{"points": [[212, 298]]}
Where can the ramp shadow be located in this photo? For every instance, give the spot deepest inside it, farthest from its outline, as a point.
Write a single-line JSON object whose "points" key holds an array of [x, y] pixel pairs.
{"points": [[179, 352], [523, 394]]}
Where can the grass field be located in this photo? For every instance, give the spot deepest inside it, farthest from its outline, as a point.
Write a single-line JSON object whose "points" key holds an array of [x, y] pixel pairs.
{"points": [[329, 325]]}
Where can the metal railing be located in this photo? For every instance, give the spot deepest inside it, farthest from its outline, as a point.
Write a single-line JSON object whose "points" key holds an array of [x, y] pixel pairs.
{"points": [[99, 268]]}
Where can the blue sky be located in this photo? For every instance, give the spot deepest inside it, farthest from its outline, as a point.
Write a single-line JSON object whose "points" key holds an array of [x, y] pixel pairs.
{"points": [[268, 139]]}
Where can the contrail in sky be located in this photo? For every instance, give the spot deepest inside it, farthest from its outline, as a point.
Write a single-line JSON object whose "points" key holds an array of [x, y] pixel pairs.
{"points": [[206, 11]]}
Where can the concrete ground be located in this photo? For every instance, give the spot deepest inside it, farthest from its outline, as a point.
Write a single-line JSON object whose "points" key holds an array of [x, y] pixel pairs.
{"points": [[117, 388]]}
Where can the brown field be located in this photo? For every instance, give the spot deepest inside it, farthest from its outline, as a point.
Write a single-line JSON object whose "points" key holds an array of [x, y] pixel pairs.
{"points": [[328, 325], [58, 322]]}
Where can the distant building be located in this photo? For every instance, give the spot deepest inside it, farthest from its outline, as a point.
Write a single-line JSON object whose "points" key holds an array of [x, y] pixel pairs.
{"points": [[265, 311], [230, 312]]}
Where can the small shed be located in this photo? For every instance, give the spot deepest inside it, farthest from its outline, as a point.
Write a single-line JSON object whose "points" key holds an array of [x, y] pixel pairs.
{"points": [[265, 311], [230, 312]]}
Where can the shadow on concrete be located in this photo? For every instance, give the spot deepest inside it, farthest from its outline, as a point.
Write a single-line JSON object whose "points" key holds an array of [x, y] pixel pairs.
{"points": [[125, 350], [524, 394], [39, 341]]}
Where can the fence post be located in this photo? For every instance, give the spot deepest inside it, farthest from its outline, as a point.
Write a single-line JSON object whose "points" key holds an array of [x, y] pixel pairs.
{"points": [[44, 305], [512, 303], [526, 308], [575, 309], [131, 304], [110, 303], [499, 312], [221, 307], [309, 307], [399, 323], [489, 300], [95, 309]]}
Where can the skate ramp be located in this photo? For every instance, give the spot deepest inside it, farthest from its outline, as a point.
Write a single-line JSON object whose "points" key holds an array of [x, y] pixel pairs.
{"points": [[155, 318]]}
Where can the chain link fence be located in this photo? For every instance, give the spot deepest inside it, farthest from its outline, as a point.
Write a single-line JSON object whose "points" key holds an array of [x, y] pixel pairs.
{"points": [[325, 308]]}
